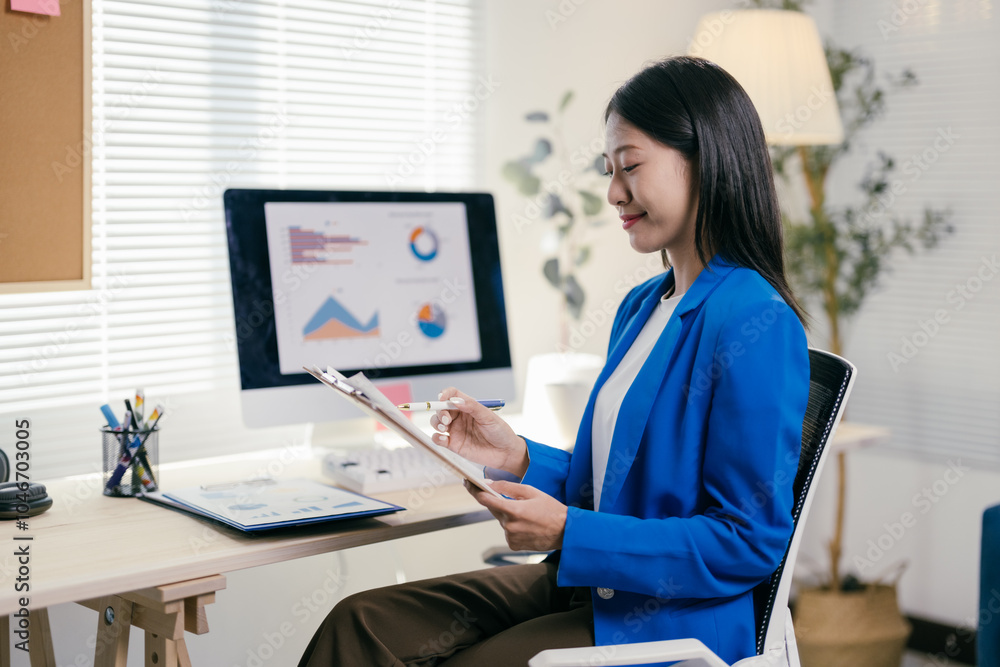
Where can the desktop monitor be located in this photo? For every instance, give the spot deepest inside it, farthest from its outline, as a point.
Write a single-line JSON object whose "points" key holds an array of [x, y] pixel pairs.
{"points": [[404, 286]]}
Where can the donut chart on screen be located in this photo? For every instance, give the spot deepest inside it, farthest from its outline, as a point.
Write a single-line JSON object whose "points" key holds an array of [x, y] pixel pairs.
{"points": [[424, 244], [431, 320]]}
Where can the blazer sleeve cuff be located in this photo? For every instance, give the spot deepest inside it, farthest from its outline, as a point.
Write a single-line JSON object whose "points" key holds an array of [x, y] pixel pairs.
{"points": [[548, 468]]}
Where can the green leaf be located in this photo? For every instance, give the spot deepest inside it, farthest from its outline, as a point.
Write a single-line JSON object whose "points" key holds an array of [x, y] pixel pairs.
{"points": [[543, 149], [551, 271], [592, 204], [518, 173], [574, 296], [582, 255], [566, 99], [554, 206], [513, 171]]}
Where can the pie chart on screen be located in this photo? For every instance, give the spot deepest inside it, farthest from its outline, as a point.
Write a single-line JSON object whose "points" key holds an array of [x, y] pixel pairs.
{"points": [[423, 244], [431, 320]]}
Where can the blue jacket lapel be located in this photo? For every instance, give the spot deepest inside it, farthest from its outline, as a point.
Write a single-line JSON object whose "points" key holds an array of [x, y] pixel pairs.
{"points": [[638, 401]]}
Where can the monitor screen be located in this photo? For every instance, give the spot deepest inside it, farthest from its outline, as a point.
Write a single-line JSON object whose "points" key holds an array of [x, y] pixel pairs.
{"points": [[403, 286]]}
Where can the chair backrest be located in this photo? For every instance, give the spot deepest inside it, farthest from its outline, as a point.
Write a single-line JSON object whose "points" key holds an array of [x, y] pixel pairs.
{"points": [[830, 381], [988, 634]]}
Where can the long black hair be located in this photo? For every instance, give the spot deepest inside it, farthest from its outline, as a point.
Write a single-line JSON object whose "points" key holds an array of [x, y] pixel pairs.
{"points": [[697, 108]]}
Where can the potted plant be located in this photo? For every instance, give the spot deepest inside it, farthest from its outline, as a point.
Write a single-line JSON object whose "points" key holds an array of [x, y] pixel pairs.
{"points": [[835, 258], [564, 191]]}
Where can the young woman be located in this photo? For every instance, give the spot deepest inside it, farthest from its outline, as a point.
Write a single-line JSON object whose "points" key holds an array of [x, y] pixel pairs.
{"points": [[676, 500]]}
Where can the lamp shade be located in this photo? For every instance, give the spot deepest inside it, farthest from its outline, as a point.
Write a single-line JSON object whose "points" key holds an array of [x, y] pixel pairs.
{"points": [[778, 58]]}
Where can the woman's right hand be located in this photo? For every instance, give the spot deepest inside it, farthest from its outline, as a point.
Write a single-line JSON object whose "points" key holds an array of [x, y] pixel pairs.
{"points": [[479, 434]]}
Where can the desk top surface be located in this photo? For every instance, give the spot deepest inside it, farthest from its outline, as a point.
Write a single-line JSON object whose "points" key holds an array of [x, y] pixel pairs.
{"points": [[88, 544]]}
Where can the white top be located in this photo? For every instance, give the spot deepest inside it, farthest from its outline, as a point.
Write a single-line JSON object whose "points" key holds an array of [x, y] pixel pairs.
{"points": [[609, 400]]}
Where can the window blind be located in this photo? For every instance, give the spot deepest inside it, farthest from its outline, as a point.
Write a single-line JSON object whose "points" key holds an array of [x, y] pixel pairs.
{"points": [[189, 98], [926, 344]]}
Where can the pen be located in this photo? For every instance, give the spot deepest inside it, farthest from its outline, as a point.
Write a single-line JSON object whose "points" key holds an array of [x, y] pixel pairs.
{"points": [[129, 450], [423, 406], [142, 463], [132, 417], [123, 463]]}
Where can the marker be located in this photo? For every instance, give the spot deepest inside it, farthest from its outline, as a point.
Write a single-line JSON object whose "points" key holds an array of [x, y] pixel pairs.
{"points": [[140, 404], [126, 459], [130, 450], [132, 419], [425, 406]]}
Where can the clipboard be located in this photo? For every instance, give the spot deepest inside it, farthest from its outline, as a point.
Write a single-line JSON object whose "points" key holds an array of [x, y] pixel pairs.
{"points": [[266, 504], [359, 390]]}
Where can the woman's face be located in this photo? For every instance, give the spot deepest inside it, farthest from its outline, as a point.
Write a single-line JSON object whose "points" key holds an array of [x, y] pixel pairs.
{"points": [[651, 188]]}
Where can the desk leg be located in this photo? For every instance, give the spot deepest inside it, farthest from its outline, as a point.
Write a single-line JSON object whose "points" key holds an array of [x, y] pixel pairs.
{"points": [[164, 612], [40, 652], [113, 628], [5, 641]]}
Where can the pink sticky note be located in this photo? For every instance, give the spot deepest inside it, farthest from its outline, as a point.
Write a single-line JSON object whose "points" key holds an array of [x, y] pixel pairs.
{"points": [[397, 393], [47, 7]]}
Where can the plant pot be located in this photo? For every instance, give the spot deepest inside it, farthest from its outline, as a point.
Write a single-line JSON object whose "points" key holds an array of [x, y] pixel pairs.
{"points": [[860, 628]]}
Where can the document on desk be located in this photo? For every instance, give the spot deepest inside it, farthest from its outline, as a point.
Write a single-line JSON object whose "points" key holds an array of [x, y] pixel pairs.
{"points": [[265, 504], [359, 390]]}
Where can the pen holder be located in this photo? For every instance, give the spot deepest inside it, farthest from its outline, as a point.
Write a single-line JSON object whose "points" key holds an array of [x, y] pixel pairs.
{"points": [[126, 475]]}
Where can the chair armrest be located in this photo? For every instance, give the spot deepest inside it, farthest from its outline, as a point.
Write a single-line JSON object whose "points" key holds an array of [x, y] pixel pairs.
{"points": [[692, 651]]}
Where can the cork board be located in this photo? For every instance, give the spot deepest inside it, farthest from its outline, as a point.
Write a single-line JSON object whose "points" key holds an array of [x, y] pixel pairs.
{"points": [[45, 163]]}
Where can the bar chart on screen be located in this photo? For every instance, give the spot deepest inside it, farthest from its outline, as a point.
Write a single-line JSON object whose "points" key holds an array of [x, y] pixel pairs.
{"points": [[353, 279]]}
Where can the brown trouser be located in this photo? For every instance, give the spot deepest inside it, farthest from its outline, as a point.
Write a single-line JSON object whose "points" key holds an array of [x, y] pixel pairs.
{"points": [[500, 616]]}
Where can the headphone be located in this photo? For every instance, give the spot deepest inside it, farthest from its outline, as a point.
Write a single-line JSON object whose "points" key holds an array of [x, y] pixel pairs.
{"points": [[18, 499]]}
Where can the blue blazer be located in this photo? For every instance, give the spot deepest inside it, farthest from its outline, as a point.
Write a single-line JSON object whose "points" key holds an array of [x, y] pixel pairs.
{"points": [[696, 503]]}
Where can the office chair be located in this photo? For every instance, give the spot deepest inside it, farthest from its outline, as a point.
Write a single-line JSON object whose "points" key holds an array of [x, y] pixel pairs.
{"points": [[988, 633], [830, 381]]}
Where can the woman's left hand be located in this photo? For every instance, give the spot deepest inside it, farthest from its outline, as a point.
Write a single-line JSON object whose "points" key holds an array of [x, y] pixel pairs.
{"points": [[531, 519]]}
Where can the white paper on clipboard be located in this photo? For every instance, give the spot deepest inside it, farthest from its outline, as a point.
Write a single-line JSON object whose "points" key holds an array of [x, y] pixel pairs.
{"points": [[359, 390]]}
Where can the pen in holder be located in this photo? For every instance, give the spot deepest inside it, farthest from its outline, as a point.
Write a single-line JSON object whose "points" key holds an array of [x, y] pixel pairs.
{"points": [[131, 462]]}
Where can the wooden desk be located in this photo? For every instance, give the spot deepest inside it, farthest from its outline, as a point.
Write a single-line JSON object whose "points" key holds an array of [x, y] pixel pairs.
{"points": [[89, 548]]}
